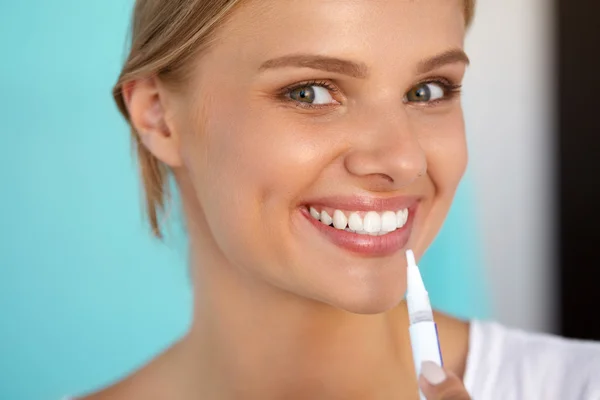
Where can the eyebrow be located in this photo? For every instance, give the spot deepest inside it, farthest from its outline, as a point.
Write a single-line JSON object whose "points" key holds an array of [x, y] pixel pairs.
{"points": [[447, 57], [324, 63], [357, 69]]}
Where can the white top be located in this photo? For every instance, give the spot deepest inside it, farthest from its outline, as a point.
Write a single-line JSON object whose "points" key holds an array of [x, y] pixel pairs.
{"points": [[510, 364]]}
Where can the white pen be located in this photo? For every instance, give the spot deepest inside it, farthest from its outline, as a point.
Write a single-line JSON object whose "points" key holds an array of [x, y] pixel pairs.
{"points": [[423, 331]]}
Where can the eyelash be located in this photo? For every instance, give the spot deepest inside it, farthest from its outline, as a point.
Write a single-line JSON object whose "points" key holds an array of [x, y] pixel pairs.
{"points": [[322, 83], [451, 90]]}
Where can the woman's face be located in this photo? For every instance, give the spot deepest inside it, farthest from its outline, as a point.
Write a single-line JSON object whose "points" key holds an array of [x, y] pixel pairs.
{"points": [[320, 139]]}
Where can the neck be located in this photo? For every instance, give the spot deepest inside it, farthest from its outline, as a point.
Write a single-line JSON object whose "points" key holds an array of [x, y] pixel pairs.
{"points": [[256, 341]]}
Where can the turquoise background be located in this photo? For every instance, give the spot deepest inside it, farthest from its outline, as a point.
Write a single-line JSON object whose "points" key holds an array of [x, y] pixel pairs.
{"points": [[86, 294]]}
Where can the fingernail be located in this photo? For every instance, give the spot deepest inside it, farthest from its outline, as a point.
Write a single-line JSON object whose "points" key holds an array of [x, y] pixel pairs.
{"points": [[433, 373]]}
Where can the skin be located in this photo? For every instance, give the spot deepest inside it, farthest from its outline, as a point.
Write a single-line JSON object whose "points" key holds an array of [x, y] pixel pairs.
{"points": [[281, 312]]}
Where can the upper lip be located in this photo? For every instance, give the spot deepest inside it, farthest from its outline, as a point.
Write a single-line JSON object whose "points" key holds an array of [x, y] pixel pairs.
{"points": [[365, 203]]}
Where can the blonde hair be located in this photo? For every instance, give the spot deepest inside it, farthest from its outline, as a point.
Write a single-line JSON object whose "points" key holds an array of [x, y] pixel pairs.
{"points": [[165, 36]]}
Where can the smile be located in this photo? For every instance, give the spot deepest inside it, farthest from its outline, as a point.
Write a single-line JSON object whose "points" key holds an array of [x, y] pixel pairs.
{"points": [[372, 223], [374, 227]]}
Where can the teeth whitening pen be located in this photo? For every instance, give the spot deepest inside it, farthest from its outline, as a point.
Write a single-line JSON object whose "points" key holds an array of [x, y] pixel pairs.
{"points": [[423, 331]]}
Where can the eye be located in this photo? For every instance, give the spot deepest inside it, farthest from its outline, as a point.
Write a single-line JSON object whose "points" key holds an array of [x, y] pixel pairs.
{"points": [[426, 92], [312, 94]]}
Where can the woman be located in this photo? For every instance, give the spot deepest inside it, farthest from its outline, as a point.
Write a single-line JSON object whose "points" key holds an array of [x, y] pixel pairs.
{"points": [[312, 142]]}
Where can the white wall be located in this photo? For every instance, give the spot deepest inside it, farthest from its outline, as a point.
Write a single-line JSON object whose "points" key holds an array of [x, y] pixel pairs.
{"points": [[509, 110]]}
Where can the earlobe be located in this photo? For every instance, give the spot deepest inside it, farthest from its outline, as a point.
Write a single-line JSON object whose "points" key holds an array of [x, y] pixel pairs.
{"points": [[146, 139], [146, 107]]}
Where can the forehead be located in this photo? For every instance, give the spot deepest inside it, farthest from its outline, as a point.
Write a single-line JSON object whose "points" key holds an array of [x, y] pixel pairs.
{"points": [[368, 29]]}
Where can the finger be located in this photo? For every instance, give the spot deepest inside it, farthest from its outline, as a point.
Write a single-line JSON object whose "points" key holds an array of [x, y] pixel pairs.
{"points": [[439, 384]]}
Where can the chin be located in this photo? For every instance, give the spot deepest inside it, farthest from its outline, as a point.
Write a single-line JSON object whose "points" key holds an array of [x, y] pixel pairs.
{"points": [[370, 308], [368, 301]]}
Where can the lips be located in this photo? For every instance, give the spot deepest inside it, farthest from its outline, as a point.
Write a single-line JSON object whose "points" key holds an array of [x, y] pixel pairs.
{"points": [[365, 226]]}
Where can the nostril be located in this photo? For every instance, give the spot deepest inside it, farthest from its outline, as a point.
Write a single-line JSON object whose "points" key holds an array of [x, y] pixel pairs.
{"points": [[378, 182], [386, 178]]}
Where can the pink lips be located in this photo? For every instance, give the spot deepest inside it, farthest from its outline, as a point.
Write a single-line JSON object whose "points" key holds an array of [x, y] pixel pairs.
{"points": [[365, 244]]}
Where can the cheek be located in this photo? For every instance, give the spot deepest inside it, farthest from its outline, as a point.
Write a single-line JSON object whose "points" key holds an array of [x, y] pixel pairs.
{"points": [[446, 151], [264, 155], [247, 168]]}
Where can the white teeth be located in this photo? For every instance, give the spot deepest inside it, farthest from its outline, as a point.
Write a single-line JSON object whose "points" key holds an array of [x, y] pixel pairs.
{"points": [[339, 220], [401, 218], [355, 222], [325, 218], [388, 221], [314, 213], [372, 222]]}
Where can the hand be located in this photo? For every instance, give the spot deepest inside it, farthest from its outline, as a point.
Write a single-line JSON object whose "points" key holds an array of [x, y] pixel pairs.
{"points": [[439, 384]]}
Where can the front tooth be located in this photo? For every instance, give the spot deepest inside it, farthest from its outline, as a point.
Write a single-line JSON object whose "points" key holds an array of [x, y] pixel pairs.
{"points": [[372, 222], [339, 220], [325, 218], [355, 222], [388, 221], [314, 213], [400, 218]]}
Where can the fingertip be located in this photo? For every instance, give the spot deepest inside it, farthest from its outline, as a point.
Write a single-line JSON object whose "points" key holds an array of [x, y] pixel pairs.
{"points": [[438, 383], [433, 373]]}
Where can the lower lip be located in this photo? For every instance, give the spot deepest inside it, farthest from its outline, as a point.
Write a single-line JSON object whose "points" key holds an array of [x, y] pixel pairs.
{"points": [[368, 245]]}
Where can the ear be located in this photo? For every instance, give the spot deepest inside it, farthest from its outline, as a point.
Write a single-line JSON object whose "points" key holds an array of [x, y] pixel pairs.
{"points": [[147, 107]]}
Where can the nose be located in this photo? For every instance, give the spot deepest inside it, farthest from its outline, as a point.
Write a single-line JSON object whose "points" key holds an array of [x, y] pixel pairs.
{"points": [[386, 155]]}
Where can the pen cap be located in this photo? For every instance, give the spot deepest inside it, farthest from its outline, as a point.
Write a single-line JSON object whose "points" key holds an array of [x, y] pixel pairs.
{"points": [[417, 299]]}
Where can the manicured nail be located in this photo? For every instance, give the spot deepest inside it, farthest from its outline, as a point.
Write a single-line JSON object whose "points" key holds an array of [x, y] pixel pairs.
{"points": [[433, 373]]}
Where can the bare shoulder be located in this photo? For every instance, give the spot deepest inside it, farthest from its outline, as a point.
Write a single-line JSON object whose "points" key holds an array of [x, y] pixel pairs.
{"points": [[137, 385], [454, 341], [452, 325], [155, 380]]}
